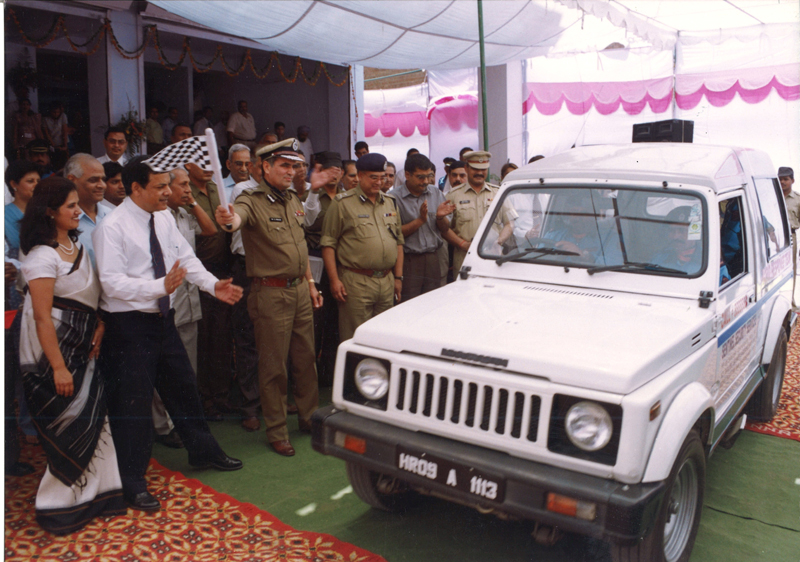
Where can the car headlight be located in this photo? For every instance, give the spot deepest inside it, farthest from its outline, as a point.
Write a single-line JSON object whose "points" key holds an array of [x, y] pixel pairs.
{"points": [[372, 379], [588, 426]]}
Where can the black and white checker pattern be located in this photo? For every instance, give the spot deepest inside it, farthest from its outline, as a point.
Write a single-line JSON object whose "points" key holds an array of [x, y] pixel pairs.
{"points": [[193, 149]]}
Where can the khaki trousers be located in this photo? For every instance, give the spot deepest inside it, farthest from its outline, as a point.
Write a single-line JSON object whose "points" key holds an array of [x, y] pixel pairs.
{"points": [[458, 261], [284, 327], [366, 297]]}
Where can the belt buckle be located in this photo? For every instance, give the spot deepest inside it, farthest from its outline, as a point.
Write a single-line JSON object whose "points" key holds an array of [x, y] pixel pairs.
{"points": [[293, 282], [379, 274]]}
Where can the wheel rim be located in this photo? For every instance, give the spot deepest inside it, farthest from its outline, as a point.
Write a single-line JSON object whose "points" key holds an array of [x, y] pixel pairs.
{"points": [[681, 511]]}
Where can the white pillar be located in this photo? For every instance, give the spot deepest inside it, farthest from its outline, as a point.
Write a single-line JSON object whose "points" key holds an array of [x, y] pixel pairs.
{"points": [[356, 106], [125, 77], [504, 91]]}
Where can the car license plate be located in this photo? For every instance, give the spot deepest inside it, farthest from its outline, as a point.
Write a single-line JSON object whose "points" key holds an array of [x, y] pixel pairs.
{"points": [[457, 476]]}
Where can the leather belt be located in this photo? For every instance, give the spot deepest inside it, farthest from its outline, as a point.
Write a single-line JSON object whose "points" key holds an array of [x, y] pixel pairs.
{"points": [[376, 273], [277, 281]]}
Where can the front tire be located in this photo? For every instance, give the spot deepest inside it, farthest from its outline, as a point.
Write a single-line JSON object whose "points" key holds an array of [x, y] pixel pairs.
{"points": [[673, 536], [763, 405], [379, 490]]}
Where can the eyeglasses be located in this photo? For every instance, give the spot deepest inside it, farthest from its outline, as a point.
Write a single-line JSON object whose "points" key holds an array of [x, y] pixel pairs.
{"points": [[421, 178]]}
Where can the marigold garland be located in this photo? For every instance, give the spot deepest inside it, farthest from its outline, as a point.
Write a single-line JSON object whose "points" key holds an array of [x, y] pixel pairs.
{"points": [[151, 34]]}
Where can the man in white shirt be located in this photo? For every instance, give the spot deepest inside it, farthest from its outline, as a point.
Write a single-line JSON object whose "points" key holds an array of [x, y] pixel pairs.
{"points": [[169, 122], [204, 122], [238, 163], [304, 143], [115, 191], [88, 175], [242, 127], [244, 338], [141, 260], [115, 143], [191, 219], [220, 132]]}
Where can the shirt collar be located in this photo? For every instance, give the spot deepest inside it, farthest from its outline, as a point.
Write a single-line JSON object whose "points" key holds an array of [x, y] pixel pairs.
{"points": [[484, 188], [135, 210], [102, 211], [364, 199], [403, 191]]}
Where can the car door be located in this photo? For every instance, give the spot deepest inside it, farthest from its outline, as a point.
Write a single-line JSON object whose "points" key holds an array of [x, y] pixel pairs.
{"points": [[738, 319]]}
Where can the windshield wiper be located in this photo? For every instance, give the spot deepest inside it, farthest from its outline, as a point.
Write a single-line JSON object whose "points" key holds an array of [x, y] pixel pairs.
{"points": [[541, 251], [635, 266]]}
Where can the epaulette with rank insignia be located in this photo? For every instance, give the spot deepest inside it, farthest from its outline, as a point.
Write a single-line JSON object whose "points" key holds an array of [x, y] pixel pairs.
{"points": [[344, 195]]}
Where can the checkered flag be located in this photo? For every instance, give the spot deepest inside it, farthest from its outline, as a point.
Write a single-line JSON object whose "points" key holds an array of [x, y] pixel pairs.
{"points": [[193, 149]]}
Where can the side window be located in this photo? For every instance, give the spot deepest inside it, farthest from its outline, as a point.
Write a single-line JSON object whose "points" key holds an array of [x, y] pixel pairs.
{"points": [[732, 240], [776, 231]]}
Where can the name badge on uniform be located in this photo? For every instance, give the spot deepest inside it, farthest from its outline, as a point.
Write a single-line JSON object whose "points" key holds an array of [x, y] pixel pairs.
{"points": [[464, 202], [299, 213], [275, 219], [363, 216]]}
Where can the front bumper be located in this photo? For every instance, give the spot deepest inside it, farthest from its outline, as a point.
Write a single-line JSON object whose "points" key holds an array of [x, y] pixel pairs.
{"points": [[624, 513]]}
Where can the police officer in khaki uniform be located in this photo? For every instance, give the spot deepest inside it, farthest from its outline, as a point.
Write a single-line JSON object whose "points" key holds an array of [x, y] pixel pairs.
{"points": [[362, 247], [282, 290], [470, 202]]}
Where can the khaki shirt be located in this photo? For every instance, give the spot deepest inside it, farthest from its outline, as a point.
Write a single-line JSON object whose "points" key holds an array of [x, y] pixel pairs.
{"points": [[215, 249], [471, 207], [793, 209], [314, 232], [364, 234], [272, 233]]}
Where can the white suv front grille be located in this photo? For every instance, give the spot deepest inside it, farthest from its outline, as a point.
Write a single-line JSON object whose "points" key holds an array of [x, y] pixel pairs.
{"points": [[428, 398]]}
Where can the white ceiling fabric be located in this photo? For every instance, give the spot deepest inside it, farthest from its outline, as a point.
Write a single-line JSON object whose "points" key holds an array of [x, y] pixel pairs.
{"points": [[443, 34], [387, 33]]}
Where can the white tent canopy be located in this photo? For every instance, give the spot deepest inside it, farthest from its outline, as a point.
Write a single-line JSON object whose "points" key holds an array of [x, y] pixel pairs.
{"points": [[439, 34]]}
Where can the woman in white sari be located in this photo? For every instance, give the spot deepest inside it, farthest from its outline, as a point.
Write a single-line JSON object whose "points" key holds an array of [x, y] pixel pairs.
{"points": [[59, 345]]}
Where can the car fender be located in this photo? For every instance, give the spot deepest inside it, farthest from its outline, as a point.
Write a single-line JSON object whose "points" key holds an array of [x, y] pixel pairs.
{"points": [[781, 309], [683, 413]]}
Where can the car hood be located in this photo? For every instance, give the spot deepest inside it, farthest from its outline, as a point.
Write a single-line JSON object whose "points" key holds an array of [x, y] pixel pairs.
{"points": [[613, 342]]}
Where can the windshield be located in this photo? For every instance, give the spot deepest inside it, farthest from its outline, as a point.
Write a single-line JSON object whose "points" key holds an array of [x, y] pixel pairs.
{"points": [[660, 232]]}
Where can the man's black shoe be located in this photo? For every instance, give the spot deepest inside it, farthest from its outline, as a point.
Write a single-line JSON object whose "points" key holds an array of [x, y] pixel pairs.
{"points": [[143, 501], [19, 469], [171, 439], [223, 463]]}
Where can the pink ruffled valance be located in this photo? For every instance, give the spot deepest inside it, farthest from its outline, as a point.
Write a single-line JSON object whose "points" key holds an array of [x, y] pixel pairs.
{"points": [[719, 88], [389, 123], [753, 85], [455, 112], [605, 97]]}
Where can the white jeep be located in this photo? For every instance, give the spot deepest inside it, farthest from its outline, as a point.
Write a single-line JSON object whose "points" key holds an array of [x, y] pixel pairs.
{"points": [[580, 373]]}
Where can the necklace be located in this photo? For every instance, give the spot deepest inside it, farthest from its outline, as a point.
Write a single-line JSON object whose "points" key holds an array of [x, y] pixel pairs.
{"points": [[69, 251]]}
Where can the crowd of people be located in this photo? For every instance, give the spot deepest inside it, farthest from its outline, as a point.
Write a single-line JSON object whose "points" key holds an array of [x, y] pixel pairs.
{"points": [[147, 309]]}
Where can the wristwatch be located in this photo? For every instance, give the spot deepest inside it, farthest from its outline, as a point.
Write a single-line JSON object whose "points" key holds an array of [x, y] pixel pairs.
{"points": [[193, 204], [398, 277]]}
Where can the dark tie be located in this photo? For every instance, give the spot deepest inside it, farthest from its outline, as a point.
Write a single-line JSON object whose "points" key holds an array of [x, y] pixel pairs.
{"points": [[159, 268]]}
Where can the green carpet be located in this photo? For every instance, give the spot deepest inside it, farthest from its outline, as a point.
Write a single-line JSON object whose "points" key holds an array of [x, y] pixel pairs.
{"points": [[752, 507]]}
